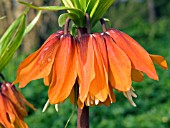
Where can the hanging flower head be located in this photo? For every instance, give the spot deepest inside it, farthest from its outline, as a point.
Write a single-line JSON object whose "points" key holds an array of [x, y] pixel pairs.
{"points": [[12, 107], [87, 67]]}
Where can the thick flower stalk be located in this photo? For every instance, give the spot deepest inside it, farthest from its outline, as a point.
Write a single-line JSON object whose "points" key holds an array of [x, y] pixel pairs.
{"points": [[13, 109]]}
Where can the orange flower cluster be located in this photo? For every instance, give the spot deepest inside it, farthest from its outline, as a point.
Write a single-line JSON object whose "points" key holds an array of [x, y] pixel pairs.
{"points": [[99, 63], [12, 107]]}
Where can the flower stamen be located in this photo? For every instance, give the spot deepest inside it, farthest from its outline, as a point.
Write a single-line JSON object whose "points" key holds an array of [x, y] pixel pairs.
{"points": [[129, 94], [46, 105]]}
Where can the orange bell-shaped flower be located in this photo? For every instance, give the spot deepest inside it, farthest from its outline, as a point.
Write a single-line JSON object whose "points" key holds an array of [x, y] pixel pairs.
{"points": [[12, 107], [139, 57]]}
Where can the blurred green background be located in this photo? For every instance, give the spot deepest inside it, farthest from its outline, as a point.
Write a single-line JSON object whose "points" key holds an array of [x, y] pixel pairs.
{"points": [[148, 22]]}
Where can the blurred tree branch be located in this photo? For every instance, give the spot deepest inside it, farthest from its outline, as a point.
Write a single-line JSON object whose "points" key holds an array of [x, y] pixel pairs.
{"points": [[151, 11]]}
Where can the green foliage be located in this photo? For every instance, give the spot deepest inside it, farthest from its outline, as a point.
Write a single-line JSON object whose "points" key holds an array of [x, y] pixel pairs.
{"points": [[77, 9], [32, 24], [100, 10], [12, 38]]}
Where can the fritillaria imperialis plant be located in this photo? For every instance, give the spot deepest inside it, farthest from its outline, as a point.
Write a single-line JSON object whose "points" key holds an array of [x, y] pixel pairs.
{"points": [[12, 107], [87, 67]]}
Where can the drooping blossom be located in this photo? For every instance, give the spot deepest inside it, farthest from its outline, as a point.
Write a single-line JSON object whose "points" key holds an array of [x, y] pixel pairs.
{"points": [[95, 64], [56, 62], [94, 86], [141, 60], [12, 107], [39, 64]]}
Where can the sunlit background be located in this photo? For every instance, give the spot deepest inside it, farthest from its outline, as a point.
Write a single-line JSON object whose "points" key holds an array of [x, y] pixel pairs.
{"points": [[147, 21]]}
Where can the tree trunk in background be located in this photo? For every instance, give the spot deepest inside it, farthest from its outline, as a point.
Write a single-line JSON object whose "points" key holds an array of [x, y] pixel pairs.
{"points": [[151, 10], [45, 26]]}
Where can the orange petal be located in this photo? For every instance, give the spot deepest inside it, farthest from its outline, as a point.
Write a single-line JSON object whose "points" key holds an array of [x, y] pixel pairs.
{"points": [[104, 56], [11, 113], [38, 64], [15, 119], [86, 71], [112, 95], [138, 56], [98, 86], [52, 36], [110, 99], [80, 104], [64, 70], [160, 60], [47, 79], [107, 102], [119, 66], [9, 92], [72, 96], [103, 51], [3, 116], [137, 76]]}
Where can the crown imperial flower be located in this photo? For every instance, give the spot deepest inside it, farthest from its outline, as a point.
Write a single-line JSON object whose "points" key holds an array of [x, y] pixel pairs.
{"points": [[13, 109], [99, 63]]}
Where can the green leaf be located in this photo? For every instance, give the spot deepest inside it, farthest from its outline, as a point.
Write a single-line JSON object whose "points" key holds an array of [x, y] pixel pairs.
{"points": [[72, 4], [32, 24], [51, 8], [11, 40], [13, 36], [78, 5], [9, 33], [101, 9], [90, 5], [77, 12], [62, 19], [94, 8], [68, 3], [83, 4]]}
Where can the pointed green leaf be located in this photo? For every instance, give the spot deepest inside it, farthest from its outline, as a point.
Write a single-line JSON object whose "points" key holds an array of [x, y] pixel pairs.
{"points": [[9, 33], [101, 9], [94, 8], [90, 5], [11, 40], [77, 12], [62, 19], [83, 4], [68, 3], [72, 4], [32, 24], [78, 5], [51, 8]]}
